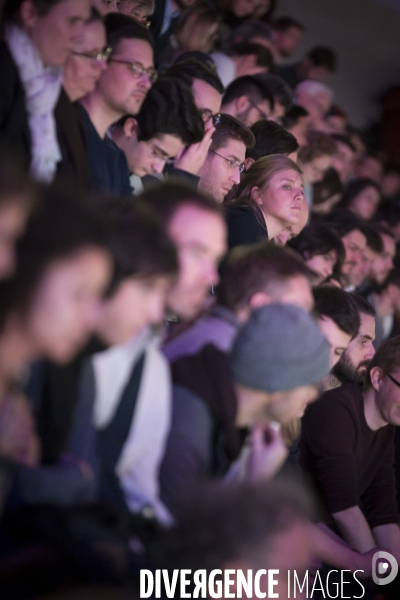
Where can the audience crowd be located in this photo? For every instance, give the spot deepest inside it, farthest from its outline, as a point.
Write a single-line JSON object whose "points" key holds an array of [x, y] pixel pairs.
{"points": [[199, 303]]}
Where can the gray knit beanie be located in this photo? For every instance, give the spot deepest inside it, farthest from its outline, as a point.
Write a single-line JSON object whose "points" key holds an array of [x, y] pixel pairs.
{"points": [[278, 349]]}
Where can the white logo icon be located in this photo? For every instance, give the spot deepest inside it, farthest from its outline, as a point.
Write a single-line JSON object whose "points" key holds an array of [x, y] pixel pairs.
{"points": [[383, 568]]}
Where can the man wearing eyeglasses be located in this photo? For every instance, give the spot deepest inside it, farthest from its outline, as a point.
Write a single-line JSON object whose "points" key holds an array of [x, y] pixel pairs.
{"points": [[248, 99], [120, 90], [224, 162], [347, 450]]}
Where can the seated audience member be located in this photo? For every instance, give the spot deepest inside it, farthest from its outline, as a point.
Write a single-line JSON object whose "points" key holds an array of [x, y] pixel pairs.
{"points": [[361, 197], [225, 159], [106, 6], [125, 388], [270, 198], [48, 310], [140, 10], [336, 121], [119, 91], [389, 217], [379, 255], [254, 32], [248, 100], [316, 98], [81, 72], [338, 318], [296, 121], [343, 161], [390, 182], [271, 138], [281, 93], [369, 166], [326, 193], [18, 196], [195, 30], [32, 57], [354, 362], [386, 301], [206, 88], [353, 471], [253, 276], [287, 34], [315, 158], [196, 225], [243, 526], [167, 122], [321, 249], [214, 396], [351, 232], [318, 64], [242, 59]]}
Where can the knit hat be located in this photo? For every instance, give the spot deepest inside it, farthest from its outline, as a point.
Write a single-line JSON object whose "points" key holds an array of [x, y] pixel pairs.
{"points": [[278, 349]]}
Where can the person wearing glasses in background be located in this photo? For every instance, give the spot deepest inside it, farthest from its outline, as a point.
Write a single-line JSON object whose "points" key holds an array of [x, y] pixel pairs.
{"points": [[167, 122], [120, 90], [81, 72], [248, 99], [206, 88], [347, 451], [225, 159]]}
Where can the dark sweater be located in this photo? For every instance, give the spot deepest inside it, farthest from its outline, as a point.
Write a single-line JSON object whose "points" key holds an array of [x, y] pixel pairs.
{"points": [[244, 226], [349, 464]]}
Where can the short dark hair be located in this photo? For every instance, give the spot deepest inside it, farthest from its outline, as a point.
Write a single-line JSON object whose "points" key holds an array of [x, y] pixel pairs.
{"points": [[374, 240], [278, 88], [363, 306], [231, 128], [191, 68], [258, 267], [139, 244], [387, 358], [317, 239], [318, 144], [249, 86], [251, 29], [169, 109], [58, 226], [10, 10], [354, 188], [95, 16], [263, 55], [271, 138], [322, 56], [120, 27], [338, 305], [343, 222], [293, 115], [285, 23], [344, 139], [224, 522], [166, 198]]}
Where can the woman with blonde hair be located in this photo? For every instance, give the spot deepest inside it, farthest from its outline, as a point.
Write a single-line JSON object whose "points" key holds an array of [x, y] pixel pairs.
{"points": [[270, 199]]}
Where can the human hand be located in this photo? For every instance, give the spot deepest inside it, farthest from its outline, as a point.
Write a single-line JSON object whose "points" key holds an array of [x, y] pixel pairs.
{"points": [[267, 454], [192, 158]]}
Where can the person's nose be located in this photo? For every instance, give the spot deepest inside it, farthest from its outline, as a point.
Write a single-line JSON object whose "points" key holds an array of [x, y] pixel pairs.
{"points": [[156, 308], [235, 175], [298, 193], [92, 313], [157, 166], [369, 352]]}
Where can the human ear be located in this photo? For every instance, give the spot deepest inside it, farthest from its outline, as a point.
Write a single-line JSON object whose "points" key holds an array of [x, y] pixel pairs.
{"points": [[130, 127], [376, 376], [248, 162], [255, 195]]}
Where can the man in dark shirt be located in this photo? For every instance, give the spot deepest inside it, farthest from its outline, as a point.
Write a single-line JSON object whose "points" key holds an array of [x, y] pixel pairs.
{"points": [[120, 90], [347, 450]]}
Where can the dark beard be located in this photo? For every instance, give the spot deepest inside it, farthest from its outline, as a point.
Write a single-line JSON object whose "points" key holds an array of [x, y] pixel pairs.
{"points": [[346, 372]]}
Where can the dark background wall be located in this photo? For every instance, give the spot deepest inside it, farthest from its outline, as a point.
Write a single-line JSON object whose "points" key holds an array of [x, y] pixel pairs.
{"points": [[366, 37]]}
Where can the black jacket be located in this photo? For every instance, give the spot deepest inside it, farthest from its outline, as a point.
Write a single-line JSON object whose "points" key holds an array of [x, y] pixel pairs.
{"points": [[14, 127]]}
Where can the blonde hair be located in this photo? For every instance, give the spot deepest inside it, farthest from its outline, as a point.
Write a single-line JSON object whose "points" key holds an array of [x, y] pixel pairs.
{"points": [[259, 175]]}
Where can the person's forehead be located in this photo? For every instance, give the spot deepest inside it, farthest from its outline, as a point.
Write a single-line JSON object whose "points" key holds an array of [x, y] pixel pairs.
{"points": [[355, 237], [191, 222], [367, 325], [388, 244], [233, 148], [134, 50], [289, 175], [167, 142]]}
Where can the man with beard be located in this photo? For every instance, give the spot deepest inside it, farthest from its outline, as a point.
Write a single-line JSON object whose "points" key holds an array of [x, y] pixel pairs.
{"points": [[353, 363]]}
